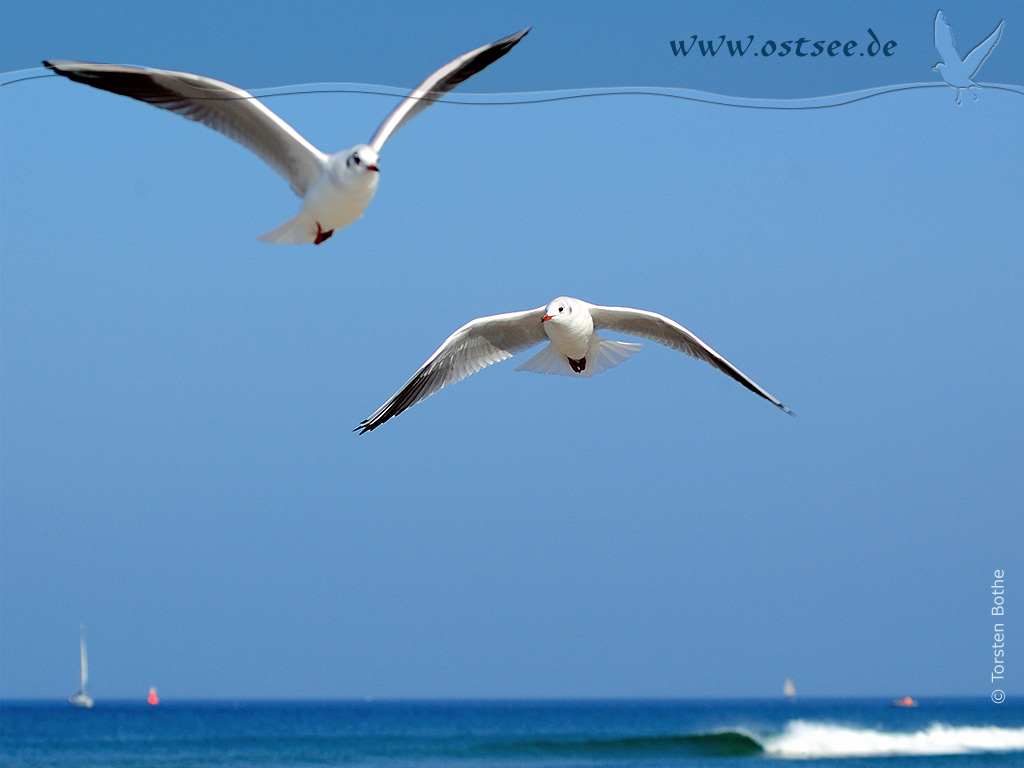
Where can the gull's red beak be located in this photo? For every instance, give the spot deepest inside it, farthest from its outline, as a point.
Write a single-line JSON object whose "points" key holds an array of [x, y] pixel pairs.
{"points": [[546, 318], [373, 168]]}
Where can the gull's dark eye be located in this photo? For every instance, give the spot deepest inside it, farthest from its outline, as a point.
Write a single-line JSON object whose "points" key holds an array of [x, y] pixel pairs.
{"points": [[561, 309]]}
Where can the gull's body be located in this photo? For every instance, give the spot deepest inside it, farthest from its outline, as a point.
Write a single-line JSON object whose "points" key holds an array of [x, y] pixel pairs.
{"points": [[574, 349], [335, 189], [958, 73], [337, 198]]}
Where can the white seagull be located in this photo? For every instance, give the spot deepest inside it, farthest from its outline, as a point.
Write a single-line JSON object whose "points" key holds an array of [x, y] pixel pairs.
{"points": [[571, 326], [335, 189], [955, 72]]}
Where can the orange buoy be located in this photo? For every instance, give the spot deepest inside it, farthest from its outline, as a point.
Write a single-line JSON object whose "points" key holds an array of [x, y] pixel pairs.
{"points": [[152, 697]]}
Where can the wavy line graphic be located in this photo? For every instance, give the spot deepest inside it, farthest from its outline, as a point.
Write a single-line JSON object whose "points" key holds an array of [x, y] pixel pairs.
{"points": [[543, 97]]}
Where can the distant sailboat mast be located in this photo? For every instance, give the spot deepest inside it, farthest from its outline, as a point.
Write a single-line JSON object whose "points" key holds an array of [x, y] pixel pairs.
{"points": [[82, 699]]}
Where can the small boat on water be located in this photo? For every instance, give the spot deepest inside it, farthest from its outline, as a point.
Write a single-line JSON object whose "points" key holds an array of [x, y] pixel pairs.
{"points": [[906, 701], [789, 689], [152, 699], [82, 699]]}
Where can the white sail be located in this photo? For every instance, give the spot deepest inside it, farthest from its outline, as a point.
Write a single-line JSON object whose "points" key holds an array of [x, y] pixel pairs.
{"points": [[789, 689], [82, 699], [85, 661]]}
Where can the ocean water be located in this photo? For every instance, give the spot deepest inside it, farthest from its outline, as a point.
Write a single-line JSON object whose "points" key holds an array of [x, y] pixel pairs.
{"points": [[514, 734]]}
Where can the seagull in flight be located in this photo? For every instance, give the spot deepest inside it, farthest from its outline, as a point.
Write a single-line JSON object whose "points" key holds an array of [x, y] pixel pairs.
{"points": [[575, 349], [335, 189], [959, 74]]}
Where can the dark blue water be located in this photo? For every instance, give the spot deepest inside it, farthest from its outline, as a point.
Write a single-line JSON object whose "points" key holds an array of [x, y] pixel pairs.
{"points": [[513, 734]]}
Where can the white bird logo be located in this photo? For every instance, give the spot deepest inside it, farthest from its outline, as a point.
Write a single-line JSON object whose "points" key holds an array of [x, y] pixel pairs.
{"points": [[959, 73]]}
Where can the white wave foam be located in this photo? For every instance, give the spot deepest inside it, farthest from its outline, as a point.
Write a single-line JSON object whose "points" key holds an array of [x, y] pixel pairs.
{"points": [[805, 739]]}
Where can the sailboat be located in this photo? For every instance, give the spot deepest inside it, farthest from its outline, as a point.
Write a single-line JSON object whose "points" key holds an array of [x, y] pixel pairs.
{"points": [[82, 699], [789, 689]]}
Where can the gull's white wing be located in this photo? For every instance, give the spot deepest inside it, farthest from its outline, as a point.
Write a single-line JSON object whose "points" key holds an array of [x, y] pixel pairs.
{"points": [[473, 347], [944, 40], [974, 59], [651, 325], [236, 113], [442, 81]]}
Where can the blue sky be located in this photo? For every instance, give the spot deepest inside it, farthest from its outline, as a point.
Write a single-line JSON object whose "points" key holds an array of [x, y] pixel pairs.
{"points": [[179, 471]]}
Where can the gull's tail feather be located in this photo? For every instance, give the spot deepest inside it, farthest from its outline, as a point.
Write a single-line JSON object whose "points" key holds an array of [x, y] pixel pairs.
{"points": [[546, 361], [295, 231], [602, 355], [607, 354]]}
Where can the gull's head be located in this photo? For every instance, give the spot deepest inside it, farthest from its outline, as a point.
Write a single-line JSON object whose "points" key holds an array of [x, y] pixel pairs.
{"points": [[561, 311], [362, 158]]}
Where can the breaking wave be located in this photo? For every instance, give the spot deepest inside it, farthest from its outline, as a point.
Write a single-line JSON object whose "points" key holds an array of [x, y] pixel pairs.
{"points": [[800, 739], [804, 739]]}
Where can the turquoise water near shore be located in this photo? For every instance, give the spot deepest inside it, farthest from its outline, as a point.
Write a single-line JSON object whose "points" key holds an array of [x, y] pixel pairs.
{"points": [[513, 734]]}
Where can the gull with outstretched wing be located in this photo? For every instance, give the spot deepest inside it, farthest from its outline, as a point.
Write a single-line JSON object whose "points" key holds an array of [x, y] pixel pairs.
{"points": [[335, 189], [575, 349]]}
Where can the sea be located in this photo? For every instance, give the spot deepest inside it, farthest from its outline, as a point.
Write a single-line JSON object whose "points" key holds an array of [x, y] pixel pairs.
{"points": [[515, 734]]}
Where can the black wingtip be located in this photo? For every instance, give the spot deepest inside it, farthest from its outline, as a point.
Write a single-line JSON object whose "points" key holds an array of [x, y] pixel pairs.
{"points": [[363, 428], [508, 42]]}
